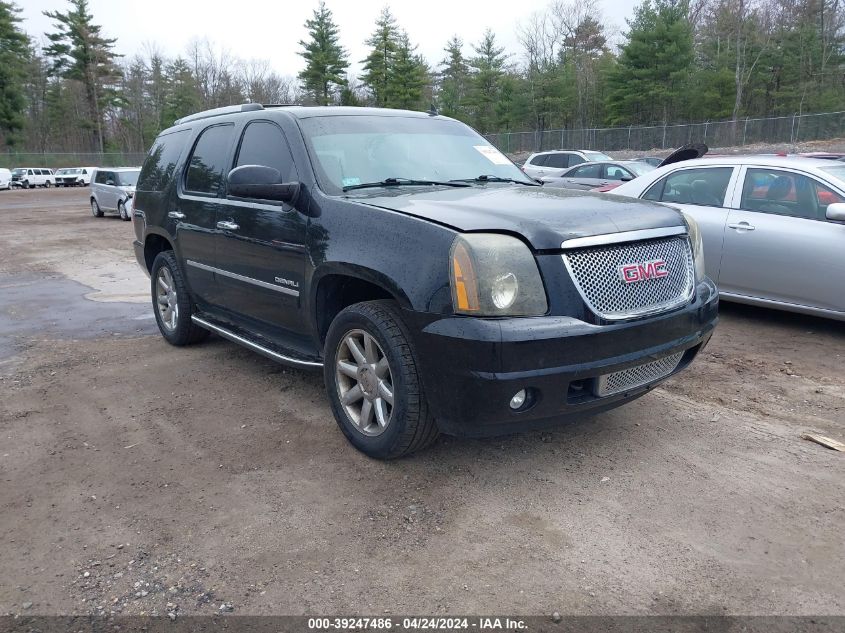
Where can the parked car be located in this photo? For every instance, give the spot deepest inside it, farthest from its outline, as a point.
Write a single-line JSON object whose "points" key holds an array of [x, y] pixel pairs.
{"points": [[588, 176], [74, 176], [773, 227], [654, 161], [111, 188], [5, 178], [686, 152], [553, 163], [27, 177], [401, 254]]}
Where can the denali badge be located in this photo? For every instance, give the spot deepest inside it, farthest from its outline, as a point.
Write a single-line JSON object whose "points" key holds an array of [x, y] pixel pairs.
{"points": [[640, 271]]}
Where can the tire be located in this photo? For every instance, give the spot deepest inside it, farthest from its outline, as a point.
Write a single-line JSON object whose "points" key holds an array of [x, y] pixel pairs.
{"points": [[175, 324], [121, 208], [407, 424], [48, 184], [96, 211], [26, 184]]}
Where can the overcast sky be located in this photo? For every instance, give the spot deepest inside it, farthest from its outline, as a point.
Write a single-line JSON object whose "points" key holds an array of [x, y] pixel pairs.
{"points": [[272, 30]]}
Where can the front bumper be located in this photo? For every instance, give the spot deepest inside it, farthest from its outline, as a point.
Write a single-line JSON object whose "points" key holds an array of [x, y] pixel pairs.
{"points": [[471, 367]]}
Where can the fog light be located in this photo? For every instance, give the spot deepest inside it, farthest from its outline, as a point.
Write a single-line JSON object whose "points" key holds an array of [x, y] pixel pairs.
{"points": [[518, 399]]}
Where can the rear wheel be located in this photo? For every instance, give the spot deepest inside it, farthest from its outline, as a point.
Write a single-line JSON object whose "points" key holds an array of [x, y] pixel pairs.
{"points": [[172, 302], [95, 209], [48, 184], [373, 383]]}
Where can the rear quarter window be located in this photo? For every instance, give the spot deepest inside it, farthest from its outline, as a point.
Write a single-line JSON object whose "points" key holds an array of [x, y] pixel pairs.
{"points": [[160, 164]]}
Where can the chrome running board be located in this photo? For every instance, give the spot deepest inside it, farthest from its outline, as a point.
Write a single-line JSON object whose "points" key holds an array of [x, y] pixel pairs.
{"points": [[255, 347]]}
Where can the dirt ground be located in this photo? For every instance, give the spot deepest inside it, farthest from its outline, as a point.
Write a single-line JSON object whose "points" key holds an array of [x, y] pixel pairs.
{"points": [[136, 477]]}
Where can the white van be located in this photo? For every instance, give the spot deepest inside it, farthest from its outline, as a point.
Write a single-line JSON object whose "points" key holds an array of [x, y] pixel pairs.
{"points": [[74, 176], [27, 177], [5, 178]]}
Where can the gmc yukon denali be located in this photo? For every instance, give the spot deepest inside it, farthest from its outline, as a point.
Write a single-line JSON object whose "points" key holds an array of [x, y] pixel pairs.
{"points": [[437, 287]]}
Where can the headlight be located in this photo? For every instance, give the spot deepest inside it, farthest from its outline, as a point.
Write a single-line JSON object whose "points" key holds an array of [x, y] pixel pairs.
{"points": [[697, 245], [495, 275]]}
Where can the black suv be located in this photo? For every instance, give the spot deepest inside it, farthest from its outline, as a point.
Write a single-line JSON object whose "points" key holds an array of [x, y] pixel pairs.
{"points": [[438, 287]]}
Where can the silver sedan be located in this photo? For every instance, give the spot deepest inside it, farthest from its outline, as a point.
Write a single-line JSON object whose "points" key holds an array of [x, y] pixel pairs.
{"points": [[588, 176], [773, 227]]}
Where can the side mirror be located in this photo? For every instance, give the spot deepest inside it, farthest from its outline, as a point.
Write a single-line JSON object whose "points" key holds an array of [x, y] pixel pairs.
{"points": [[626, 179], [110, 182], [836, 212], [260, 183]]}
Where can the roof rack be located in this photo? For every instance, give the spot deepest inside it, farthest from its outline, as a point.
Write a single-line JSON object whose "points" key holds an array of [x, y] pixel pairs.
{"points": [[245, 107]]}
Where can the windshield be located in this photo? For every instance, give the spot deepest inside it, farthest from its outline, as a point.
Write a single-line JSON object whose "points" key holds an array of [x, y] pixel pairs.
{"points": [[127, 178], [594, 156], [350, 150], [18, 171], [838, 172], [639, 168]]}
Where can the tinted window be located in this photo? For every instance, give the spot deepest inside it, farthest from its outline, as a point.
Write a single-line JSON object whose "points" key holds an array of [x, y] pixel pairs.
{"points": [[161, 162], [100, 178], [539, 161], [126, 178], [208, 161], [263, 143], [574, 159], [693, 186], [786, 193], [587, 171], [558, 161]]}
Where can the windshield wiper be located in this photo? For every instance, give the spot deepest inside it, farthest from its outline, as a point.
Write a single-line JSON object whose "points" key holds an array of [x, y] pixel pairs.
{"points": [[399, 182], [489, 178]]}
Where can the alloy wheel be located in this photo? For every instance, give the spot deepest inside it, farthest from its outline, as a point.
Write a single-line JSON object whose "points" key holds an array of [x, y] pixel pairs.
{"points": [[166, 299], [364, 382]]}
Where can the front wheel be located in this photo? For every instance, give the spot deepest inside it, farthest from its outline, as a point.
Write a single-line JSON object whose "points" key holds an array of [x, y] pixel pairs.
{"points": [[172, 302], [121, 208], [373, 382]]}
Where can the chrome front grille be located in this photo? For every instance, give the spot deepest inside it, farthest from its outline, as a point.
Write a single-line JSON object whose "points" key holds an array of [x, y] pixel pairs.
{"points": [[638, 376], [598, 275]]}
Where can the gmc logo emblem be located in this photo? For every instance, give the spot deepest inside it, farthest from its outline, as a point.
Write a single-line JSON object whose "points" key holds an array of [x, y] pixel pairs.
{"points": [[641, 271]]}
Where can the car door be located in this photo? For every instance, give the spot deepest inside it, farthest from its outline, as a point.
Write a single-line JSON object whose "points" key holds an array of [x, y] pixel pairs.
{"points": [[614, 174], [261, 249], [199, 194], [556, 164], [584, 177], [108, 195], [535, 168], [705, 194], [778, 244]]}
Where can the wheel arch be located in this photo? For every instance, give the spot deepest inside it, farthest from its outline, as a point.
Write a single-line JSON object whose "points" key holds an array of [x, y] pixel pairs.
{"points": [[154, 244], [339, 286]]}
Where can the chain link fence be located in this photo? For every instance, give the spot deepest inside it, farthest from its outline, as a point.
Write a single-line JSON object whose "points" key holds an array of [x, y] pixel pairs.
{"points": [[55, 160], [786, 129]]}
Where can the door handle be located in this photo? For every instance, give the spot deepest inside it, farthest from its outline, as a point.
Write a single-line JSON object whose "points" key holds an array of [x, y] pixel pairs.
{"points": [[176, 215], [742, 226], [228, 226]]}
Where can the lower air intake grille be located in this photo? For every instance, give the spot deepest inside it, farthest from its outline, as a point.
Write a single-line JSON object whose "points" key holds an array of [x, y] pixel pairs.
{"points": [[638, 376]]}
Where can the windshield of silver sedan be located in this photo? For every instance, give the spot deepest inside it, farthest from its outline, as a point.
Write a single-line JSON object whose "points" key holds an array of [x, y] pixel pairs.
{"points": [[837, 172], [352, 152]]}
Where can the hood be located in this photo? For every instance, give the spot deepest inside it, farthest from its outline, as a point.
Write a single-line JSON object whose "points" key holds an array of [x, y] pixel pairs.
{"points": [[687, 152], [544, 217]]}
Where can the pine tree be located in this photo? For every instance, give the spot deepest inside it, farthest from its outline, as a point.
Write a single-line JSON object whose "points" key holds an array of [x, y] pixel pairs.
{"points": [[80, 52], [14, 55], [181, 94], [453, 79], [654, 65], [407, 77], [487, 69], [325, 59], [378, 64]]}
